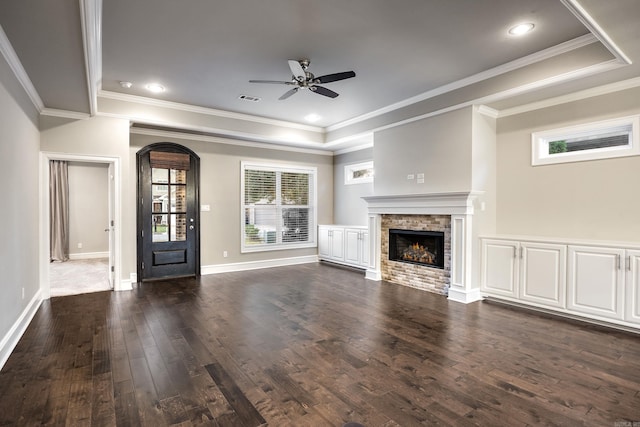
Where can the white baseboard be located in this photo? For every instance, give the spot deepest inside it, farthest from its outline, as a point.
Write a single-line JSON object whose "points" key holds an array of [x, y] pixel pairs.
{"points": [[375, 275], [89, 255], [464, 296], [254, 265], [10, 340], [126, 285]]}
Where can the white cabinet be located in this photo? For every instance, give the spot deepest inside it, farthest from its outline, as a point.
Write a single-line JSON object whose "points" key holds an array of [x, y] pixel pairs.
{"points": [[543, 273], [344, 244], [632, 281], [586, 279], [356, 246], [500, 267], [528, 271], [596, 280], [331, 243]]}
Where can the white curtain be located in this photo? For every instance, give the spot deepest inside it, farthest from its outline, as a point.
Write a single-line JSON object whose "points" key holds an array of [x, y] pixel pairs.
{"points": [[59, 210]]}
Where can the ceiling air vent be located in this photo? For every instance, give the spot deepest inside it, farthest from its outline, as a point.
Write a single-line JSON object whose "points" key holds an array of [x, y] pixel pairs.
{"points": [[249, 98]]}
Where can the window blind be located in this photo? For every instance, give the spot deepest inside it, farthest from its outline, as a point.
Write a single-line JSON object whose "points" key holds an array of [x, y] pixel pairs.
{"points": [[278, 207], [168, 160]]}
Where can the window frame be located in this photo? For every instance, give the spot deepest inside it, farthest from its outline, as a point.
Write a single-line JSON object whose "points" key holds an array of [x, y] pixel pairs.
{"points": [[312, 205], [540, 142], [350, 170]]}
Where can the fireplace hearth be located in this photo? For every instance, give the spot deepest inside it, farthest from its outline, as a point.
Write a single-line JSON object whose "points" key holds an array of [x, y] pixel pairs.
{"points": [[417, 247]]}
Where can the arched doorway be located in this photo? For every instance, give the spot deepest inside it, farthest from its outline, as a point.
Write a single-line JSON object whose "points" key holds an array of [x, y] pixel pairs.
{"points": [[168, 214]]}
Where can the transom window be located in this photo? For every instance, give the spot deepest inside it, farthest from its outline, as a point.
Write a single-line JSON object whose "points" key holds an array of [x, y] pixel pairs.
{"points": [[278, 207], [592, 141]]}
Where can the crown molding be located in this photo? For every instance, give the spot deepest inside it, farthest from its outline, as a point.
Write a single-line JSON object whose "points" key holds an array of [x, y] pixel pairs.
{"points": [[571, 97], [91, 22], [542, 55], [487, 111], [52, 112], [18, 70], [207, 111], [355, 148], [579, 12], [221, 140], [499, 96]]}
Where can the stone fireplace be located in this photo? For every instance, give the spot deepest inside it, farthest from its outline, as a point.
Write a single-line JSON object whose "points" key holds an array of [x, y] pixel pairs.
{"points": [[452, 215], [416, 251]]}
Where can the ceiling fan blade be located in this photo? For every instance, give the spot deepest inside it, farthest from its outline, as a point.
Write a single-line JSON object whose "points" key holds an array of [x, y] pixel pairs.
{"points": [[275, 82], [323, 91], [289, 93], [334, 77], [297, 70]]}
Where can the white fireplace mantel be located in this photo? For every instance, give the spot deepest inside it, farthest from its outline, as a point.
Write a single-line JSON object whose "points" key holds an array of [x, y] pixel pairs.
{"points": [[457, 204]]}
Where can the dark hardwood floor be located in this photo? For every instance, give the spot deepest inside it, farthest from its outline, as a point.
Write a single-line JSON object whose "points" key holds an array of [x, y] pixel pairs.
{"points": [[311, 345]]}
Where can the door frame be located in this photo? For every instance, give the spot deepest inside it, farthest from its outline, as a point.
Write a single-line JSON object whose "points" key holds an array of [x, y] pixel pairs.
{"points": [[166, 146], [114, 196]]}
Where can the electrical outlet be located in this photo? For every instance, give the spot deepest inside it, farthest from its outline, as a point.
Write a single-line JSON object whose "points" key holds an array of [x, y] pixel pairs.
{"points": [[225, 254], [79, 245]]}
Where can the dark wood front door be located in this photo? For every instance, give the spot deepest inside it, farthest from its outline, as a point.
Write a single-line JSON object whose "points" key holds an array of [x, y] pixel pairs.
{"points": [[168, 214]]}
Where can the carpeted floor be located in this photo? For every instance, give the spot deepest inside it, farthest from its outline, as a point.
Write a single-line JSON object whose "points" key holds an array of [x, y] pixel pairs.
{"points": [[79, 276]]}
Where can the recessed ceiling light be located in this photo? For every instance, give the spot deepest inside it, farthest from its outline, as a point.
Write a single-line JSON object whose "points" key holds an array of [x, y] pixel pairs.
{"points": [[521, 29], [155, 87], [126, 85], [312, 118]]}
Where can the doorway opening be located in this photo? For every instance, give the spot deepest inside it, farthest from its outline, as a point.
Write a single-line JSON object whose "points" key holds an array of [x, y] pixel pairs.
{"points": [[90, 261]]}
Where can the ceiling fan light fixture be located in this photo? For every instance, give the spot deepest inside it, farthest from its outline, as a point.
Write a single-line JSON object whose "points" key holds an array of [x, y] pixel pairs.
{"points": [[155, 87], [521, 29]]}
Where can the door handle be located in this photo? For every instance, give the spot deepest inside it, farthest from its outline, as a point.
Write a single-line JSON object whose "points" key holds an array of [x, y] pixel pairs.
{"points": [[106, 229]]}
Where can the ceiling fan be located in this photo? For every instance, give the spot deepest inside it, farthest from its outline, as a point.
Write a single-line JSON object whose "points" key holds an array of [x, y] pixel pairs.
{"points": [[303, 79]]}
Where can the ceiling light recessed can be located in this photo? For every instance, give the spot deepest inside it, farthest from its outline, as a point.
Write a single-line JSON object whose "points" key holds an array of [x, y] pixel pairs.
{"points": [[521, 29], [155, 87], [126, 85], [312, 118]]}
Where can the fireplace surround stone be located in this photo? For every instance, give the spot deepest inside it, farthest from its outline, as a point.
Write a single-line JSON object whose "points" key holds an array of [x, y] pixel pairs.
{"points": [[416, 276]]}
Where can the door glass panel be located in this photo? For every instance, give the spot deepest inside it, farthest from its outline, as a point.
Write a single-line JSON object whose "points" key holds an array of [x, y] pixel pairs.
{"points": [[159, 175], [178, 176], [159, 193], [178, 227], [160, 228], [178, 198]]}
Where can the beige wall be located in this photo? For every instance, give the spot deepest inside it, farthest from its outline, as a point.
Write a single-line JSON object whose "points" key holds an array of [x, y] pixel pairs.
{"points": [[99, 136], [585, 200], [439, 147], [19, 230], [220, 228], [88, 207], [349, 207]]}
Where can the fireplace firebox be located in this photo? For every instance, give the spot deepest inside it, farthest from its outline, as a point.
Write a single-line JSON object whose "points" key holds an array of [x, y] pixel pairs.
{"points": [[417, 247]]}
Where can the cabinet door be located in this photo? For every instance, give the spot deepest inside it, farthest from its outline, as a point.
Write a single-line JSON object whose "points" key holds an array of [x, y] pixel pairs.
{"points": [[543, 273], [595, 281], [352, 246], [324, 245], [632, 264], [364, 242], [500, 267], [336, 239]]}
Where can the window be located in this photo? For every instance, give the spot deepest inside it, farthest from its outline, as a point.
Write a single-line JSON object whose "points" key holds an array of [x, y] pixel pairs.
{"points": [[278, 207], [599, 140], [358, 173]]}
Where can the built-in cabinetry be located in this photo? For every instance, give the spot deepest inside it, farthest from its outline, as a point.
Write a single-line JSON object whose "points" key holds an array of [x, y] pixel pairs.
{"points": [[347, 245], [595, 281]]}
